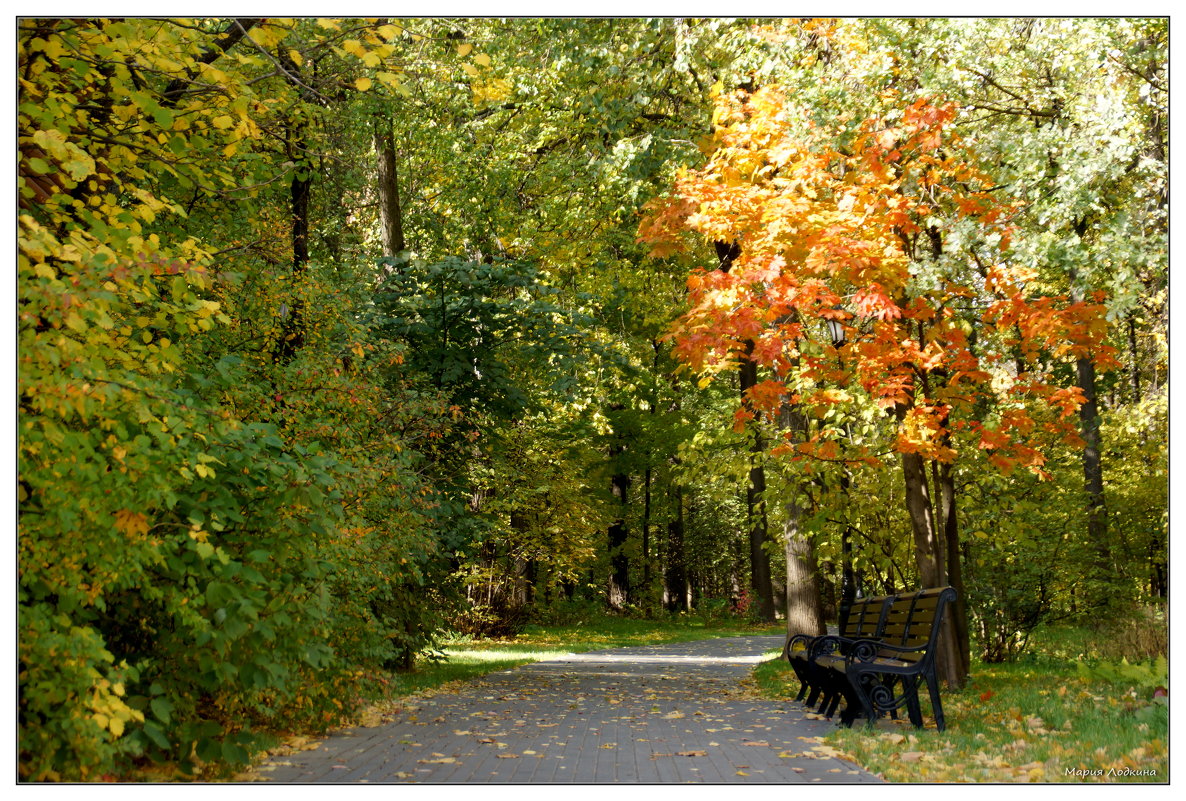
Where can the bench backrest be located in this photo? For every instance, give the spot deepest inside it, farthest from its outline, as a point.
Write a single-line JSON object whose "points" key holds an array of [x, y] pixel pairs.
{"points": [[866, 617], [912, 621]]}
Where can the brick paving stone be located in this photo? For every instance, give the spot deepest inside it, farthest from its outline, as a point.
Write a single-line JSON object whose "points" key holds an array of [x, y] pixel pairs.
{"points": [[660, 714]]}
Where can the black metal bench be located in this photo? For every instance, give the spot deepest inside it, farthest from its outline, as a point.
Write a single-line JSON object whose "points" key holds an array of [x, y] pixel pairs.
{"points": [[865, 620], [882, 674]]}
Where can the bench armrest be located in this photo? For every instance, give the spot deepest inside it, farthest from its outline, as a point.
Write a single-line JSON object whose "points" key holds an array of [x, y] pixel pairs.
{"points": [[799, 639], [867, 651], [832, 643]]}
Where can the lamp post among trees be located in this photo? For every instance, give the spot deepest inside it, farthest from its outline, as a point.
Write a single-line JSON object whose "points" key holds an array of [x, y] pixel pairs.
{"points": [[847, 580]]}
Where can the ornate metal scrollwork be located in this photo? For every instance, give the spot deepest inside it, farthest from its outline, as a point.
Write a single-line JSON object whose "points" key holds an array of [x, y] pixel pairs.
{"points": [[864, 651], [825, 646], [881, 694]]}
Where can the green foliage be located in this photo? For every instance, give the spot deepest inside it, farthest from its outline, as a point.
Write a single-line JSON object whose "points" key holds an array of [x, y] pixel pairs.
{"points": [[1144, 676], [251, 483], [481, 333], [216, 539]]}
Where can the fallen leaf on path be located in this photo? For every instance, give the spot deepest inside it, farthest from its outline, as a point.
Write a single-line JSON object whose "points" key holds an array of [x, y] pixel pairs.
{"points": [[826, 750], [370, 719], [691, 753]]}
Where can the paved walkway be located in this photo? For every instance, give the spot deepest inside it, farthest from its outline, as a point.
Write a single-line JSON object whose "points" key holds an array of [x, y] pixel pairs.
{"points": [[654, 714]]}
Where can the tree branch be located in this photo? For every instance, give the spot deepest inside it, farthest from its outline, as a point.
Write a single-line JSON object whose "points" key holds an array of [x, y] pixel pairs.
{"points": [[234, 32]]}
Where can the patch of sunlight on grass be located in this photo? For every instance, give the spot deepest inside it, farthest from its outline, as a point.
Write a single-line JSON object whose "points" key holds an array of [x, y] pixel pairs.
{"points": [[474, 656]]}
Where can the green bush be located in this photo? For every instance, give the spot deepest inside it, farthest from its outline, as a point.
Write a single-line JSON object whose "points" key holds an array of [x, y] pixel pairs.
{"points": [[214, 544]]}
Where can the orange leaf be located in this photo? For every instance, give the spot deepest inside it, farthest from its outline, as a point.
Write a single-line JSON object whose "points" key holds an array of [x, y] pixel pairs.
{"points": [[131, 523]]}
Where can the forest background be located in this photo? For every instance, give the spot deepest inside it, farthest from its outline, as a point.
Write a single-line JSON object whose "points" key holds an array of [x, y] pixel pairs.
{"points": [[336, 336]]}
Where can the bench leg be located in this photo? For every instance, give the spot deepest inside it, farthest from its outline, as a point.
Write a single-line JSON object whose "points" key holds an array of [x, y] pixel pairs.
{"points": [[835, 688], [859, 695], [853, 708], [833, 701], [800, 674], [936, 705], [912, 706]]}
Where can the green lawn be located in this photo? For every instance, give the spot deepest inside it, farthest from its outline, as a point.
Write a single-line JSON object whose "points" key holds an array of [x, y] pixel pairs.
{"points": [[1036, 720]]}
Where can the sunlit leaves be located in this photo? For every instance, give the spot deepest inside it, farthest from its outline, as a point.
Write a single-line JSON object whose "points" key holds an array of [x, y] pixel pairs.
{"points": [[847, 237], [184, 498]]}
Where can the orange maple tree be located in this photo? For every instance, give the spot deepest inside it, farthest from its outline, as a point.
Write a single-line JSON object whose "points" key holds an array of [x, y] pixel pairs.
{"points": [[860, 227], [889, 230]]}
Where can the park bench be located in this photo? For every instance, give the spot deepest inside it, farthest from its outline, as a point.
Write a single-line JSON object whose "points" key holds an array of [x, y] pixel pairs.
{"points": [[865, 620], [881, 674]]}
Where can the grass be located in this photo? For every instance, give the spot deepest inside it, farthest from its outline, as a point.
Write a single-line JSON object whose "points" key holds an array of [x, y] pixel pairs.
{"points": [[1036, 720]]}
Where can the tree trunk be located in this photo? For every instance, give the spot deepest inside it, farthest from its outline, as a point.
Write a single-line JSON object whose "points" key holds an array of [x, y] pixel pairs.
{"points": [[957, 615], [646, 532], [299, 193], [390, 212], [727, 253], [805, 610], [805, 614], [848, 583], [619, 580], [1093, 473], [927, 555], [518, 595], [755, 499], [675, 577], [1106, 568], [759, 557], [1134, 365], [291, 316]]}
